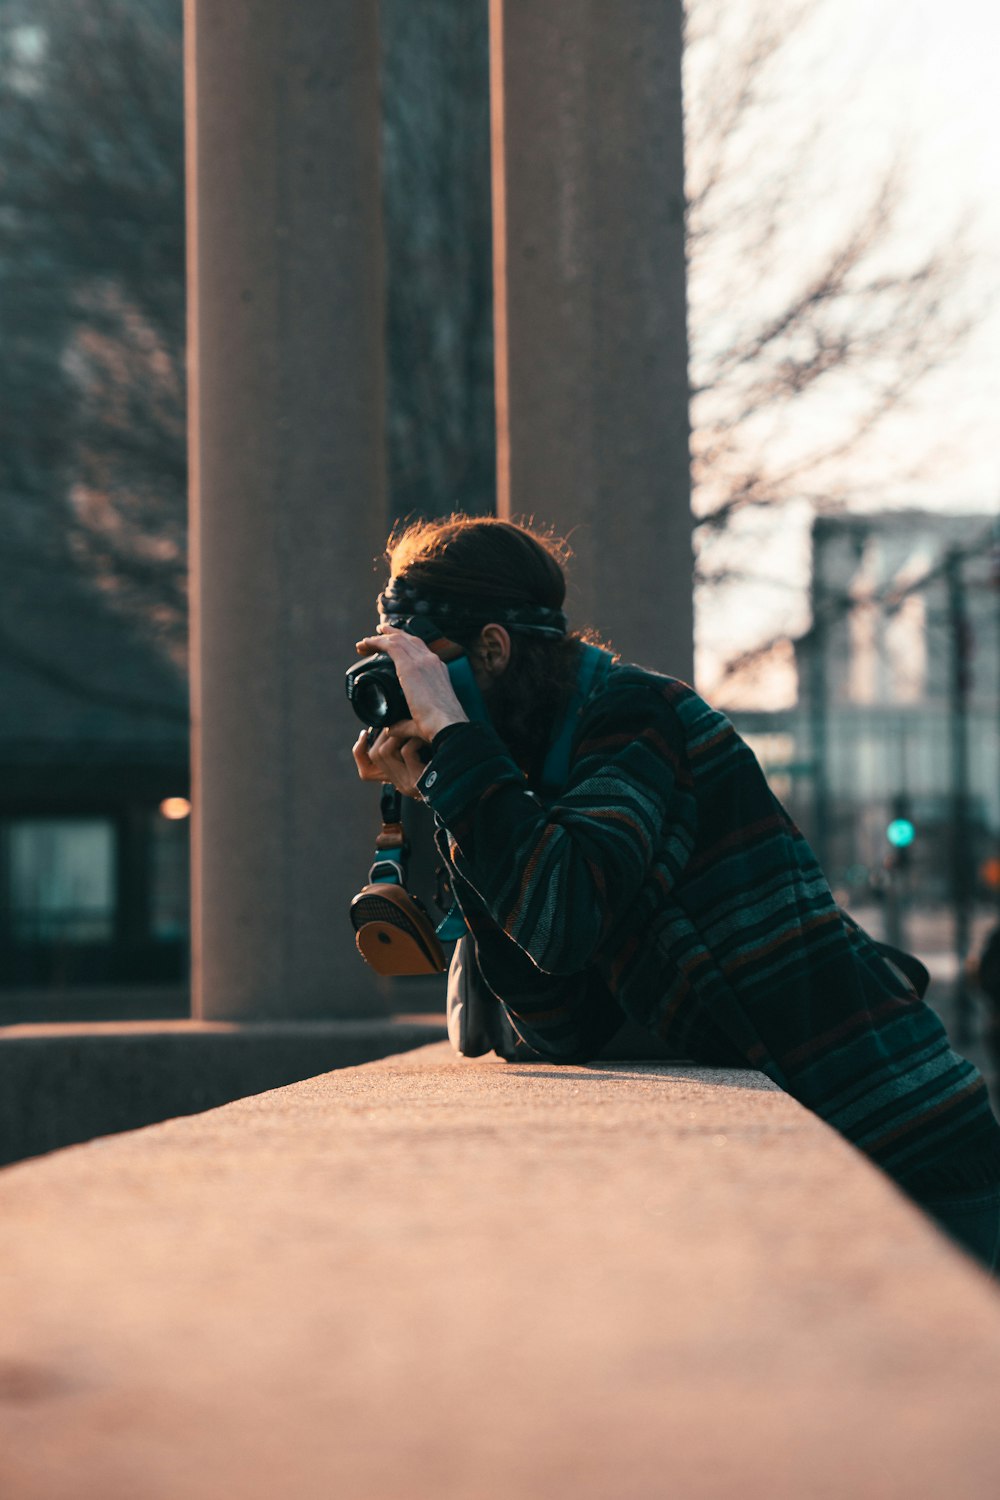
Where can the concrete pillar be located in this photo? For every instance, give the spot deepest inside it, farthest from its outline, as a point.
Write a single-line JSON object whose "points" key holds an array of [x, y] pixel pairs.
{"points": [[592, 423], [288, 494]]}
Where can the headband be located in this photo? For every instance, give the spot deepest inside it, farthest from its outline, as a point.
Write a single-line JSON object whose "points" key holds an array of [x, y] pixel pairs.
{"points": [[400, 601]]}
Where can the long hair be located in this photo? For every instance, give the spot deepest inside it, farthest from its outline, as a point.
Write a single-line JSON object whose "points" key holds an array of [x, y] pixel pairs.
{"points": [[500, 562]]}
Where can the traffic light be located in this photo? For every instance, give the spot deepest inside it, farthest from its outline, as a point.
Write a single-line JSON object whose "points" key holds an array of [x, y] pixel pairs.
{"points": [[900, 833]]}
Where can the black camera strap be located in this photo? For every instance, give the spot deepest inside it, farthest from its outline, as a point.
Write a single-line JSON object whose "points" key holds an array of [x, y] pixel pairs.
{"points": [[391, 863], [392, 848], [393, 930]]}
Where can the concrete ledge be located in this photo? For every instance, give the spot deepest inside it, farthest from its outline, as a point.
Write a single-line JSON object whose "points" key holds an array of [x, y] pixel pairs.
{"points": [[65, 1083], [428, 1279]]}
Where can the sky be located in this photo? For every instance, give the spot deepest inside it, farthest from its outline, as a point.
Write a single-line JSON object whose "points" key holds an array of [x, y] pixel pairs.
{"points": [[928, 75], [897, 75]]}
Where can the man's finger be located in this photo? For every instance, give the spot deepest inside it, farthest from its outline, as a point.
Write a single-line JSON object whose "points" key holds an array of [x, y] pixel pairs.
{"points": [[393, 642], [386, 751], [404, 730], [366, 770], [413, 758], [368, 646], [380, 639], [362, 756], [383, 642]]}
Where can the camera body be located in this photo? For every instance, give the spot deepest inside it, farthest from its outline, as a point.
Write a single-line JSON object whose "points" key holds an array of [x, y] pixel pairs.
{"points": [[373, 688]]}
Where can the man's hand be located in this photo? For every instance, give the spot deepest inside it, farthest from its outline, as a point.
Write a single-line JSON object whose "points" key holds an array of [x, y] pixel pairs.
{"points": [[424, 680], [391, 758]]}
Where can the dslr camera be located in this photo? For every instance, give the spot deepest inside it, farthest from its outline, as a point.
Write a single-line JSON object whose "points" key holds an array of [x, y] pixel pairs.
{"points": [[374, 692]]}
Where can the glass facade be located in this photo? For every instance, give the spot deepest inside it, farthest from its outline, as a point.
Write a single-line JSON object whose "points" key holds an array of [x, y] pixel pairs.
{"points": [[61, 880]]}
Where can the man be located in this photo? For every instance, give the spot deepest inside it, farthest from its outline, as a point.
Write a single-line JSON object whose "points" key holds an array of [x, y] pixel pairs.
{"points": [[652, 877]]}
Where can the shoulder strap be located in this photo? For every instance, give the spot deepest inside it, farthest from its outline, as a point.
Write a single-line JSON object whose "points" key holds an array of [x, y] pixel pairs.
{"points": [[467, 689], [912, 969], [591, 675]]}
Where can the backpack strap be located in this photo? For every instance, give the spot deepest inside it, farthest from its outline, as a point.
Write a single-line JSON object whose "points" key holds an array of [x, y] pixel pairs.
{"points": [[913, 971], [467, 689], [591, 676]]}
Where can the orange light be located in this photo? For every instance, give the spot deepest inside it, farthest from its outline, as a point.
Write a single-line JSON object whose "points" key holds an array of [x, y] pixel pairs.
{"points": [[990, 873], [175, 808]]}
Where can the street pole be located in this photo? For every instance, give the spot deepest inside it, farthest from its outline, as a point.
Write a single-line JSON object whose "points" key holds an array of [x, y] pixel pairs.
{"points": [[898, 862], [995, 582], [895, 932], [961, 852], [819, 737]]}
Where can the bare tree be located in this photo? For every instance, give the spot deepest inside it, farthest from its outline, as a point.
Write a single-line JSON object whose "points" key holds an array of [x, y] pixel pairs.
{"points": [[92, 389], [436, 167], [93, 483], [808, 332], [92, 451]]}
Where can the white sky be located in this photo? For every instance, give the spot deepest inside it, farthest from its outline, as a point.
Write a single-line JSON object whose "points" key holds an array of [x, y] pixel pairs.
{"points": [[929, 76], [903, 73]]}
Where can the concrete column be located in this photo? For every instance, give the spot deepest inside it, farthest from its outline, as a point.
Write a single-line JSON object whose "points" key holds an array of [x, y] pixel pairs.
{"points": [[592, 408], [288, 493]]}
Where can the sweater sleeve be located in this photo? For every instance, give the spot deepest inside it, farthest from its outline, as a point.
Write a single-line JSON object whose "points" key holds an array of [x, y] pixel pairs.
{"points": [[557, 880]]}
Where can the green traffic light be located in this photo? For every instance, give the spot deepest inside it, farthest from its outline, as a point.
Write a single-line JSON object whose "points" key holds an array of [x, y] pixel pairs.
{"points": [[900, 833]]}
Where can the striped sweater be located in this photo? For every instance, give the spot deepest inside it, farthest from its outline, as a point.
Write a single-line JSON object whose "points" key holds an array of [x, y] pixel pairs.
{"points": [[667, 884]]}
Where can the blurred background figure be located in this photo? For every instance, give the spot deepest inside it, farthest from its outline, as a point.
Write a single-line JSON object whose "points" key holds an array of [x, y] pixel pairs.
{"points": [[986, 974]]}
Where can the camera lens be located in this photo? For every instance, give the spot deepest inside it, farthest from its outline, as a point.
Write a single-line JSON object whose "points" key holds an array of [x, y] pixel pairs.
{"points": [[374, 692], [371, 702]]}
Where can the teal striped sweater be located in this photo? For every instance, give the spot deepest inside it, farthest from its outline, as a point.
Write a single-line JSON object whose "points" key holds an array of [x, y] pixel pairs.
{"points": [[667, 884]]}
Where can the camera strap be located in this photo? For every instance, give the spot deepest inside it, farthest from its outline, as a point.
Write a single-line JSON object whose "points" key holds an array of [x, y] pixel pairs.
{"points": [[392, 928], [591, 675]]}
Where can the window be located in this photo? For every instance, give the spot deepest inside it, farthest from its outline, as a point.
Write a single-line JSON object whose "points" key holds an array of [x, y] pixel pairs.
{"points": [[61, 874]]}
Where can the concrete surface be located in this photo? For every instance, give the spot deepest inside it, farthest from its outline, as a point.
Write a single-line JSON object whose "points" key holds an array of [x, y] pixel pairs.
{"points": [[68, 1082], [425, 1277], [97, 1002]]}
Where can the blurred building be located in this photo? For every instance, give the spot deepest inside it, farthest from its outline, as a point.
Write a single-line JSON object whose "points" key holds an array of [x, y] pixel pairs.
{"points": [[93, 803], [898, 712]]}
